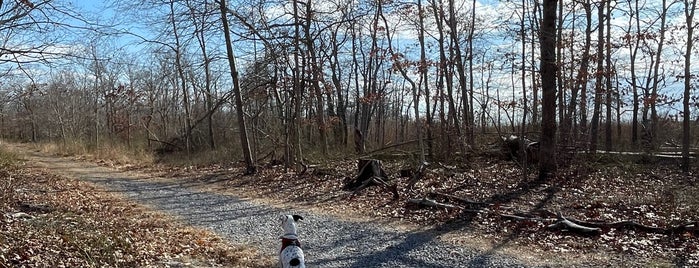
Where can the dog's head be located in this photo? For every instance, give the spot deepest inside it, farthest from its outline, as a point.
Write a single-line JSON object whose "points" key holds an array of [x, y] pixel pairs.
{"points": [[289, 225]]}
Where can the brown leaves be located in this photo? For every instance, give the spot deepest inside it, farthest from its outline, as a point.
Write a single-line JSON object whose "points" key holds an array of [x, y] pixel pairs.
{"points": [[87, 226], [651, 196]]}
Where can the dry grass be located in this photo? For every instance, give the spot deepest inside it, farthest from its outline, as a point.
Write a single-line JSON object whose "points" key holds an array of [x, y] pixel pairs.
{"points": [[50, 221], [218, 156], [117, 153]]}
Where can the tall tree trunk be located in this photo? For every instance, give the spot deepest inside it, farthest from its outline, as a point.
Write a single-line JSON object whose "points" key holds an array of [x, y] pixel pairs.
{"points": [[656, 79], [447, 108], [608, 79], [559, 71], [525, 102], [633, 42], [298, 90], [547, 158], [423, 68], [583, 88], [580, 81], [316, 76], [534, 21], [599, 78], [470, 122], [183, 81], [358, 135], [459, 64], [523, 66], [244, 142], [689, 8], [399, 65], [336, 76], [200, 31]]}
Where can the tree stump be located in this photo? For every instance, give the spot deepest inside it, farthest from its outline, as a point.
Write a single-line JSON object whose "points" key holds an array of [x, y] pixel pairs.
{"points": [[367, 170], [515, 148], [370, 173]]}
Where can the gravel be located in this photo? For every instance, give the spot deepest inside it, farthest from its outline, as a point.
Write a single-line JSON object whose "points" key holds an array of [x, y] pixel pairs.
{"points": [[327, 241]]}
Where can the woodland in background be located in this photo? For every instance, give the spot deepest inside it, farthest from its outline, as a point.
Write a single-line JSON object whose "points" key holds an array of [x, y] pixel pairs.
{"points": [[301, 81]]}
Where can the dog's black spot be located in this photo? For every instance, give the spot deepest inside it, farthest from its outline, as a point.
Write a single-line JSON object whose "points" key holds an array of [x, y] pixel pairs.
{"points": [[297, 217], [294, 262]]}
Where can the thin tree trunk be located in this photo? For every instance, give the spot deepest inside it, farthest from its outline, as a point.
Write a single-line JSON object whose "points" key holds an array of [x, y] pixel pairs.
{"points": [[654, 93], [183, 81], [608, 79], [209, 98], [525, 104], [316, 73], [535, 88], [298, 87], [336, 76], [470, 122], [459, 64], [559, 71], [633, 47], [580, 82], [689, 8], [398, 64], [244, 142], [599, 78], [423, 71]]}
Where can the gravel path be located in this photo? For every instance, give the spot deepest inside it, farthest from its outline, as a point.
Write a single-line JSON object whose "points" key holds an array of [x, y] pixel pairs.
{"points": [[327, 241]]}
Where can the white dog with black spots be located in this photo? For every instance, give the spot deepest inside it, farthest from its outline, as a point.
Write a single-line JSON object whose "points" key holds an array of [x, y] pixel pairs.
{"points": [[291, 254]]}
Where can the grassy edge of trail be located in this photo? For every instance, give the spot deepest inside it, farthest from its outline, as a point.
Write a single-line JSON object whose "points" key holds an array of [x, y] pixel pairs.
{"points": [[52, 221]]}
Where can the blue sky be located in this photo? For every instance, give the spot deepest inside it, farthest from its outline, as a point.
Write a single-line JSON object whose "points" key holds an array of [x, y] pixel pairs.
{"points": [[486, 8]]}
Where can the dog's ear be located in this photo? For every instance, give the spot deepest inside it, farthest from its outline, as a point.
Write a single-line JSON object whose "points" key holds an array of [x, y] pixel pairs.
{"points": [[297, 217]]}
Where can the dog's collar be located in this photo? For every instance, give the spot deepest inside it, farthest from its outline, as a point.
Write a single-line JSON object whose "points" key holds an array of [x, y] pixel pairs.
{"points": [[289, 236], [289, 242]]}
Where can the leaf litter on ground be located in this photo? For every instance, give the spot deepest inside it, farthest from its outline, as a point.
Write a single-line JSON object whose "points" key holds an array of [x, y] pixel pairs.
{"points": [[652, 195], [52, 221]]}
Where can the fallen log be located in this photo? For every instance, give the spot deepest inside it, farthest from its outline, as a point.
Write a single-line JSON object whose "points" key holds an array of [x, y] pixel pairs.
{"points": [[461, 199], [526, 218], [432, 203], [393, 188], [564, 223], [580, 226], [628, 224]]}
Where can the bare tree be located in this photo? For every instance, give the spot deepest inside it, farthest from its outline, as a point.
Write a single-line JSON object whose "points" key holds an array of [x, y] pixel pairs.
{"points": [[599, 79], [608, 79], [200, 20], [458, 61], [655, 77], [689, 8], [400, 64], [580, 81], [445, 78], [633, 42], [423, 69], [182, 78], [244, 142], [316, 74], [547, 159]]}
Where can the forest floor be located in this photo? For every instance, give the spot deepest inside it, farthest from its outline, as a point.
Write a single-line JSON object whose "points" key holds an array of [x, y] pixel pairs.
{"points": [[48, 219], [647, 212]]}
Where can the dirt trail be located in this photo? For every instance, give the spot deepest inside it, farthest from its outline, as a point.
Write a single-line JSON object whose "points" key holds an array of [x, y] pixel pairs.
{"points": [[328, 241]]}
